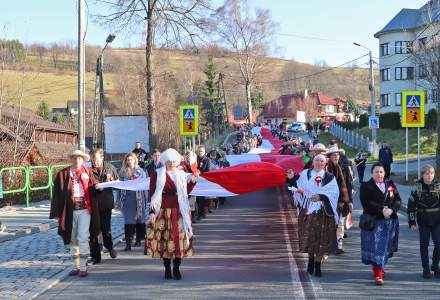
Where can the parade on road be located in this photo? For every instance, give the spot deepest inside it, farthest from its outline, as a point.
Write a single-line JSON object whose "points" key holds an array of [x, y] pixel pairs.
{"points": [[234, 149]]}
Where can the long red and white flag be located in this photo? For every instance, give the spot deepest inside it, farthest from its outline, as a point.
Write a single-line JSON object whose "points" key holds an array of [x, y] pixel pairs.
{"points": [[249, 172]]}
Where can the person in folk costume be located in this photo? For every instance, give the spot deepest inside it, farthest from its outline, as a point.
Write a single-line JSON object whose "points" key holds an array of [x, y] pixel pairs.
{"points": [[74, 208], [189, 165], [381, 200], [316, 199], [170, 234], [133, 203], [345, 202], [424, 213], [103, 171], [317, 149]]}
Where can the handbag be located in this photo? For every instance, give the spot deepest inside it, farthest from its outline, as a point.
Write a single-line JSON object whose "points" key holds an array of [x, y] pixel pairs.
{"points": [[366, 222]]}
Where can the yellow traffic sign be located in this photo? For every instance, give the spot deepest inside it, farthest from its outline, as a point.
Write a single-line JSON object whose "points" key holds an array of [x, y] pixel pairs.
{"points": [[413, 109], [189, 120]]}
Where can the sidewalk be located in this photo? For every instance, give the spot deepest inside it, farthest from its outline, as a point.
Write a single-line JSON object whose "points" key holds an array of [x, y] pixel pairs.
{"points": [[33, 257], [21, 221]]}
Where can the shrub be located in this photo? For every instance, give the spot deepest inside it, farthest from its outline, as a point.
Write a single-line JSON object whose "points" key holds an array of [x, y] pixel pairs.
{"points": [[431, 119], [390, 120], [363, 120]]}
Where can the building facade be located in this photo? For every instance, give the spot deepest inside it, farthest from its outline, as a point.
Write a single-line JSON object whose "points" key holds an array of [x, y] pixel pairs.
{"points": [[401, 64]]}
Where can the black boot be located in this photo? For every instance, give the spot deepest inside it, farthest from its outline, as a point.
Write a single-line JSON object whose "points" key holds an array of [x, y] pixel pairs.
{"points": [[311, 265], [167, 264], [176, 271], [318, 272], [128, 237]]}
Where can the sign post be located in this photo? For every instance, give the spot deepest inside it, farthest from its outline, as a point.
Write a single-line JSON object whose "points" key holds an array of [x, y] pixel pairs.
{"points": [[413, 115], [189, 120]]}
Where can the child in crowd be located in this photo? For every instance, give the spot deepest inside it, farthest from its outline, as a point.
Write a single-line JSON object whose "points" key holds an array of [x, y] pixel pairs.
{"points": [[424, 212]]}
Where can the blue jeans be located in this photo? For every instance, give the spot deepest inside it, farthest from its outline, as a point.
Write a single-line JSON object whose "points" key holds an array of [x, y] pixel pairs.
{"points": [[425, 235]]}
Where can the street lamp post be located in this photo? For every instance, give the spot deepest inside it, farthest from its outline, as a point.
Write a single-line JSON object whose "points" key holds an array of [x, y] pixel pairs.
{"points": [[98, 111], [372, 97]]}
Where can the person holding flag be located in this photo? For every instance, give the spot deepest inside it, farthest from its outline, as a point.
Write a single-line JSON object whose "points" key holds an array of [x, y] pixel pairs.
{"points": [[316, 199]]}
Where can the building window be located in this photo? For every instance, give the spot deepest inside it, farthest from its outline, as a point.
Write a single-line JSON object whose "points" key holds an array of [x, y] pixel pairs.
{"points": [[422, 43], [423, 71], [385, 100], [403, 47], [384, 49], [398, 99], [404, 73], [385, 75]]}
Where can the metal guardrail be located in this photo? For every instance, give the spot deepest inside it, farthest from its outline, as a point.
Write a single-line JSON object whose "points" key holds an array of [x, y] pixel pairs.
{"points": [[26, 177], [27, 188]]}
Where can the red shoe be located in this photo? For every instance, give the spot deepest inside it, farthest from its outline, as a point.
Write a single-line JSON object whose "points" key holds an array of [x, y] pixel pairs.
{"points": [[379, 281]]}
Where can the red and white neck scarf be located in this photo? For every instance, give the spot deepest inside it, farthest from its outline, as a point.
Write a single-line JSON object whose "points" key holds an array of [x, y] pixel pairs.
{"points": [[83, 177]]}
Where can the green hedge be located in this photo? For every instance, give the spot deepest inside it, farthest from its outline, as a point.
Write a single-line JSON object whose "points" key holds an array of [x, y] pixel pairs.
{"points": [[431, 119], [390, 120], [363, 120]]}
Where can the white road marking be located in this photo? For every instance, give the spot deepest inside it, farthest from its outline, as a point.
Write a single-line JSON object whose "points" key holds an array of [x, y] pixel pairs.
{"points": [[294, 270]]}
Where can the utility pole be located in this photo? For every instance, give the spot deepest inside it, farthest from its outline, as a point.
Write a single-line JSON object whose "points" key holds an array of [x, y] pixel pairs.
{"points": [[81, 72], [372, 98], [373, 104]]}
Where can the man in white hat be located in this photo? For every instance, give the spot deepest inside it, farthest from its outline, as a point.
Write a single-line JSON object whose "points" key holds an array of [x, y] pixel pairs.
{"points": [[72, 206]]}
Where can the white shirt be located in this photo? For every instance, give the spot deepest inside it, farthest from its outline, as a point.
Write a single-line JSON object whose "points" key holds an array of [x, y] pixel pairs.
{"points": [[381, 186], [78, 191]]}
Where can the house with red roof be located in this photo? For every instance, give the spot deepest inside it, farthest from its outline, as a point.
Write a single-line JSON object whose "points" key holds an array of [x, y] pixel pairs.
{"points": [[316, 106]]}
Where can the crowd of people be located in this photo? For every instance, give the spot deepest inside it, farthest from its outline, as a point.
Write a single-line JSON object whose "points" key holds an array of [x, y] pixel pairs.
{"points": [[163, 214]]}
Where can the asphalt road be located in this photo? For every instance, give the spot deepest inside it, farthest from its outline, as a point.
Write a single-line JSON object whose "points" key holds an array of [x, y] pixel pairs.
{"points": [[246, 249]]}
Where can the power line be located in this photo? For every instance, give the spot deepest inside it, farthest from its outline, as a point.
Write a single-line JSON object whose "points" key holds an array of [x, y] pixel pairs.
{"points": [[313, 74]]}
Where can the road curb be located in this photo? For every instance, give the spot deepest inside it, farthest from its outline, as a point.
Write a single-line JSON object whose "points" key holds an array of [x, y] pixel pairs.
{"points": [[8, 236]]}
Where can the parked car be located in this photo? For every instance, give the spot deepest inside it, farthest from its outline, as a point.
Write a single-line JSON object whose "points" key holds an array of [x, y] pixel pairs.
{"points": [[297, 127]]}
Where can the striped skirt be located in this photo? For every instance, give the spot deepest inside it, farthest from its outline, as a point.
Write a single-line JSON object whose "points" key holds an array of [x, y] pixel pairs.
{"points": [[379, 244]]}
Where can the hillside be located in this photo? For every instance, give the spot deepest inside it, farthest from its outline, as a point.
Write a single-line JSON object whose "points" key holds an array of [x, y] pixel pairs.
{"points": [[42, 81]]}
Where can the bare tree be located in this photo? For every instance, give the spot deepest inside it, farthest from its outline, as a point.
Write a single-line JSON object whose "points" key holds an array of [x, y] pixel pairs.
{"points": [[248, 33], [425, 56], [55, 53], [167, 22]]}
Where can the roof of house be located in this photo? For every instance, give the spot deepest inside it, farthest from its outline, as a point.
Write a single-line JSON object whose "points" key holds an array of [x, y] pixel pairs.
{"points": [[29, 116], [287, 105], [7, 157], [55, 151], [409, 19], [284, 106]]}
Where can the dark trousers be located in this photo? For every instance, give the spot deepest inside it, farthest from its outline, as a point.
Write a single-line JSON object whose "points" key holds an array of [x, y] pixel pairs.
{"points": [[425, 235], [387, 169], [141, 231], [201, 204], [361, 171], [105, 219]]}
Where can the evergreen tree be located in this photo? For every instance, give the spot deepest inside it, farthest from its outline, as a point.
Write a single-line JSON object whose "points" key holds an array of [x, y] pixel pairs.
{"points": [[43, 110], [211, 101]]}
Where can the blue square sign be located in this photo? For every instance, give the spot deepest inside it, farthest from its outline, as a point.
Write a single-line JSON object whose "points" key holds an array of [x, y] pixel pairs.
{"points": [[189, 114]]}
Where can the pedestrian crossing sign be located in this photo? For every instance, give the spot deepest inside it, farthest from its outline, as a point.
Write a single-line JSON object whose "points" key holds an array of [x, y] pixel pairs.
{"points": [[413, 109], [189, 120]]}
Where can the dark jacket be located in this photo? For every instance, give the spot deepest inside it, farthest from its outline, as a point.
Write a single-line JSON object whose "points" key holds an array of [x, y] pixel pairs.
{"points": [[424, 204], [105, 197], [151, 167], [62, 199], [386, 156], [373, 200], [204, 164], [348, 178]]}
